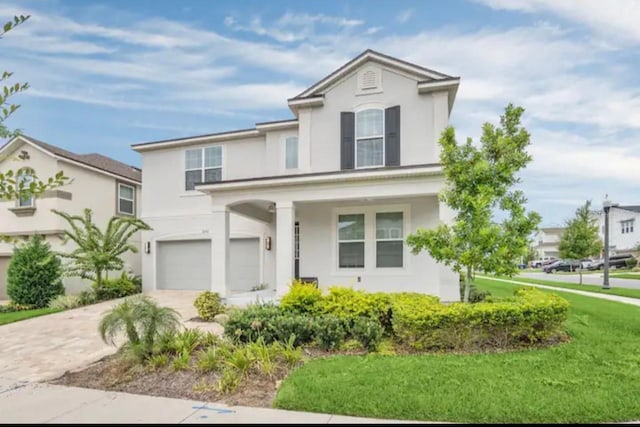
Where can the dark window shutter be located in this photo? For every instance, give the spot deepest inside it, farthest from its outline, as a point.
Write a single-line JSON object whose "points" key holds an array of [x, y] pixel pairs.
{"points": [[392, 136], [347, 140]]}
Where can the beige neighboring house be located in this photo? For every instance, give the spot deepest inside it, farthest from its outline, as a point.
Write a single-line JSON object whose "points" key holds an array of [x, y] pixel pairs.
{"points": [[106, 186], [547, 240]]}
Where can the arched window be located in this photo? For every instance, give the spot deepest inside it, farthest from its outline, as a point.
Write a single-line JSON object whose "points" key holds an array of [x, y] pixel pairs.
{"points": [[370, 138], [24, 178]]}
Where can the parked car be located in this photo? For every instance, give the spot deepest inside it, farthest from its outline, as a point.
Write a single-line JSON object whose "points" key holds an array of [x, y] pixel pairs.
{"points": [[615, 261], [585, 263], [537, 263], [562, 265]]}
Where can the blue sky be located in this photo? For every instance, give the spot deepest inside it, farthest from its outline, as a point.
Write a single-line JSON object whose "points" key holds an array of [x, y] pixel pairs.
{"points": [[107, 74]]}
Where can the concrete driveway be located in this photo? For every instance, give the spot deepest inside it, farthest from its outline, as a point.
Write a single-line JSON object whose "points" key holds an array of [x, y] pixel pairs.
{"points": [[45, 347]]}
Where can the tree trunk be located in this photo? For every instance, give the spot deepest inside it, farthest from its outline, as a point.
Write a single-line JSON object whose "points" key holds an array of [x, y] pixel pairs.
{"points": [[99, 276], [467, 285]]}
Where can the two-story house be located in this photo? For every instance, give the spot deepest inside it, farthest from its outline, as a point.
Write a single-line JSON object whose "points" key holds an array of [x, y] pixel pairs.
{"points": [[624, 234], [104, 185], [547, 240], [330, 194]]}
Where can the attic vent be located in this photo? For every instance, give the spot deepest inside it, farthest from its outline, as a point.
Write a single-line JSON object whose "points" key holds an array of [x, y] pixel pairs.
{"points": [[369, 80]]}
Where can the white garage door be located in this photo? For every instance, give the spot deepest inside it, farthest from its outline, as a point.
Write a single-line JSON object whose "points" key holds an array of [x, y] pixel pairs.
{"points": [[244, 264], [184, 264], [4, 266]]}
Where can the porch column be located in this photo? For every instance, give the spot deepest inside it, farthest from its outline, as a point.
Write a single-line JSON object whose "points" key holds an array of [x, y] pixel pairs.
{"points": [[219, 249], [449, 279], [285, 222]]}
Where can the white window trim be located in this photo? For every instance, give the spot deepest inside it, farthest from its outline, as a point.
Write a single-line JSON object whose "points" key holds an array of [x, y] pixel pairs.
{"points": [[370, 268], [202, 167], [355, 145], [133, 189], [284, 153], [627, 226]]}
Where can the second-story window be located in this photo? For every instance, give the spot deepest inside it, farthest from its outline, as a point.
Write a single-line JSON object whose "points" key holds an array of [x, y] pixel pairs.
{"points": [[370, 138], [202, 165], [627, 226], [291, 152], [126, 199], [24, 180]]}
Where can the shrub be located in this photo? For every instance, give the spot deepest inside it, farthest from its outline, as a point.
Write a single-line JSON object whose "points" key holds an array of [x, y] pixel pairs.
{"points": [[349, 304], [208, 305], [65, 302], [368, 332], [12, 307], [631, 262], [209, 360], [330, 332], [530, 316], [302, 298], [88, 296], [33, 277], [120, 287]]}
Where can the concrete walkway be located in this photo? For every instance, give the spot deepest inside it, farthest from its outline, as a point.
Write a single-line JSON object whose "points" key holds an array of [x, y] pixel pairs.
{"points": [[46, 403], [616, 298], [587, 279]]}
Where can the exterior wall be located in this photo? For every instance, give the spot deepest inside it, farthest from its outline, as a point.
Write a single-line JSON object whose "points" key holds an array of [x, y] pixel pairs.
{"points": [[88, 189], [621, 242], [547, 242], [318, 247]]}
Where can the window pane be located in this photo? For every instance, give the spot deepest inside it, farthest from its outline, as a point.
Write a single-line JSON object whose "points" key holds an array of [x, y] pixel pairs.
{"points": [[389, 254], [389, 225], [191, 178], [212, 157], [369, 152], [369, 123], [126, 192], [193, 159], [126, 206], [25, 201], [213, 175], [351, 227], [351, 255], [291, 153]]}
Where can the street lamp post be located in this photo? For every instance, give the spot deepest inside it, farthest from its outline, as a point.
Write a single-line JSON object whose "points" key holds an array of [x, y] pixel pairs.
{"points": [[606, 206]]}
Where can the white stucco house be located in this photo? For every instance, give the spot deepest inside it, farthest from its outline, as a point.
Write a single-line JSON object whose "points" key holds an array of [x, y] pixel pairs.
{"points": [[547, 240], [104, 185], [329, 194], [624, 235]]}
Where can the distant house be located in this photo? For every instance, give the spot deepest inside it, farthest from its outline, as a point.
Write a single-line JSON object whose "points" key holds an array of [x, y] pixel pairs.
{"points": [[624, 236], [104, 185], [547, 240]]}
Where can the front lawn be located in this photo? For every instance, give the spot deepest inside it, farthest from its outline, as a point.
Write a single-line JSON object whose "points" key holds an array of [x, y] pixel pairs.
{"points": [[593, 378], [623, 292], [15, 316]]}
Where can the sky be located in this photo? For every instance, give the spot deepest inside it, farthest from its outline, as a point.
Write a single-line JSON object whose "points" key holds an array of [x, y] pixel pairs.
{"points": [[108, 74]]}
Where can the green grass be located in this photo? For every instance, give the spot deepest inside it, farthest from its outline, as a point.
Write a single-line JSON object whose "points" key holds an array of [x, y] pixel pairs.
{"points": [[26, 314], [623, 292], [626, 276], [593, 378]]}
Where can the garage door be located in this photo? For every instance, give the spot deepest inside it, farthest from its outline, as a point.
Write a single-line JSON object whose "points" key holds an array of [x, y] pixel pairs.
{"points": [[4, 266], [244, 264], [184, 265]]}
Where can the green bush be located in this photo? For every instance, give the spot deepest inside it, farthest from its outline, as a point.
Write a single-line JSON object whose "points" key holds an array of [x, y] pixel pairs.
{"points": [[330, 332], [302, 298], [208, 305], [88, 296], [368, 332], [65, 302], [349, 304], [530, 316], [120, 287], [34, 274], [631, 262]]}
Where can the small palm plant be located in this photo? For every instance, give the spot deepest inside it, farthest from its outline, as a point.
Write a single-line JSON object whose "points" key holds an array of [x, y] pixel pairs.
{"points": [[141, 320]]}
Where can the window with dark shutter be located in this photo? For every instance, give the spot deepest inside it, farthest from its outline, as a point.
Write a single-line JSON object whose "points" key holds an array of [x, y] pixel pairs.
{"points": [[347, 140], [392, 136]]}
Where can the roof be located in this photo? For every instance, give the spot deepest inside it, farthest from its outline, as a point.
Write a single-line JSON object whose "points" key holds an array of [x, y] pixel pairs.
{"points": [[633, 208], [94, 160]]}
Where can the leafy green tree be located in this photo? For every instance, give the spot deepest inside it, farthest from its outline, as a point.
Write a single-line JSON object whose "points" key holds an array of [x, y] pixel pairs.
{"points": [[97, 252], [12, 186], [478, 181], [141, 320], [33, 277], [580, 238]]}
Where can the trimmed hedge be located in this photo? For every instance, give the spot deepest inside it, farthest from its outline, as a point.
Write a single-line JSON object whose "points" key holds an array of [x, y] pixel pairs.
{"points": [[120, 287], [302, 298], [530, 316]]}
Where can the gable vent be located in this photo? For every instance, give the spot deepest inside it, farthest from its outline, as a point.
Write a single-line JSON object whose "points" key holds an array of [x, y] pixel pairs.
{"points": [[369, 80]]}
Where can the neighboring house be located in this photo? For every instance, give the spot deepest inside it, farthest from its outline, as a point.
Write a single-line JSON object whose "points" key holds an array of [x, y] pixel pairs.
{"points": [[624, 235], [547, 240], [100, 183], [330, 194]]}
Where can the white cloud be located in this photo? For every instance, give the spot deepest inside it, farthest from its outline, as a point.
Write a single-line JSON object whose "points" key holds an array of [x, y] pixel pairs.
{"points": [[404, 16]]}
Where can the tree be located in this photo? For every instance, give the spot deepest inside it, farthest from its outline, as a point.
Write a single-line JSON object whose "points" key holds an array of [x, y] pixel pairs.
{"points": [[12, 186], [580, 238], [98, 252], [478, 181]]}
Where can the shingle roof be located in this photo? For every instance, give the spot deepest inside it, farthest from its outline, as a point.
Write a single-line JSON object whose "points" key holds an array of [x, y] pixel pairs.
{"points": [[634, 208], [93, 159]]}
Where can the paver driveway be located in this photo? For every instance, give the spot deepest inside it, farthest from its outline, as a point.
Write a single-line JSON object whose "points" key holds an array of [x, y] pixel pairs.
{"points": [[43, 348]]}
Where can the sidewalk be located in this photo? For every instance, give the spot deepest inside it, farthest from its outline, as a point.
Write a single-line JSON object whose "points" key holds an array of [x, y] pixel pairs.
{"points": [[616, 298], [45, 403]]}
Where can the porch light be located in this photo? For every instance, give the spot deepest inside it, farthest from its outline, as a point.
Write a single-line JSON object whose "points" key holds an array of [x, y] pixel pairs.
{"points": [[147, 247], [267, 243]]}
